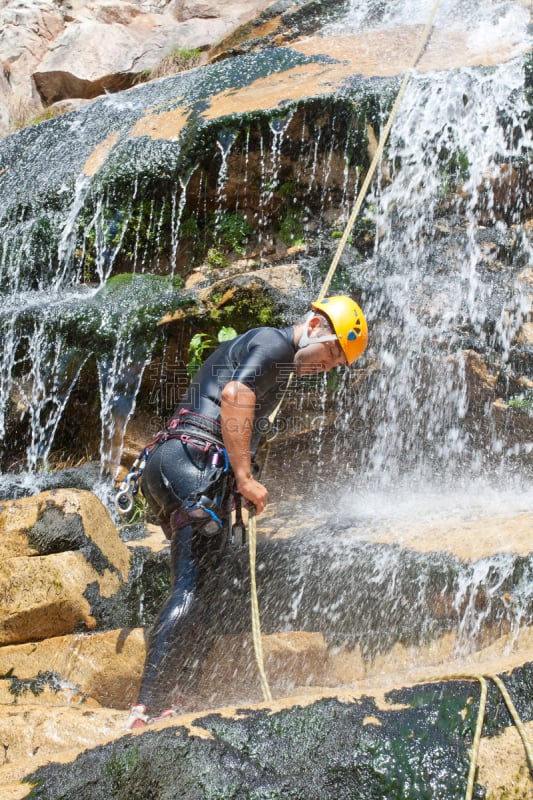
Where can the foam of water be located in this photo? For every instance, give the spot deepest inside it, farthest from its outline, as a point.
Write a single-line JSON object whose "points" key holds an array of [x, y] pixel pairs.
{"points": [[488, 24], [432, 503]]}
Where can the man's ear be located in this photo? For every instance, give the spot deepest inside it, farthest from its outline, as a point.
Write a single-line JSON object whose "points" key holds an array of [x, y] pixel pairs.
{"points": [[313, 324]]}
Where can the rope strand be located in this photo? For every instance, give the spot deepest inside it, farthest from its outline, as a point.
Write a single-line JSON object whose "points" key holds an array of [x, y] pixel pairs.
{"points": [[377, 155], [256, 627]]}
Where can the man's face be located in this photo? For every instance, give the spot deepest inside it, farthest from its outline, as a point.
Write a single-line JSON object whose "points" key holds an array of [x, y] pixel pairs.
{"points": [[319, 357]]}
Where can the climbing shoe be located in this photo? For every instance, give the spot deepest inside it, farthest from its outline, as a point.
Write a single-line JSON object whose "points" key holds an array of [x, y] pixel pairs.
{"points": [[138, 717], [166, 714]]}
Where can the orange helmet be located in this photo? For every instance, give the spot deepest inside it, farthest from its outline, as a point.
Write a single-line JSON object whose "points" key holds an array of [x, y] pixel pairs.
{"points": [[348, 322]]}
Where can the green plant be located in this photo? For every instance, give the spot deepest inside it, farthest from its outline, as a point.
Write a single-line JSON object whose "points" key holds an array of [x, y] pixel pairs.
{"points": [[454, 169], [143, 76], [290, 228], [185, 53], [522, 403], [189, 228], [339, 235], [25, 112], [139, 510], [233, 230], [201, 342], [247, 310], [288, 189], [216, 258], [177, 60], [226, 333]]}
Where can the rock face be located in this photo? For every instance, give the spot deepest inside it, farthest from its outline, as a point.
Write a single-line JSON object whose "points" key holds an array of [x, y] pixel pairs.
{"points": [[53, 551], [67, 678], [52, 52], [67, 675]]}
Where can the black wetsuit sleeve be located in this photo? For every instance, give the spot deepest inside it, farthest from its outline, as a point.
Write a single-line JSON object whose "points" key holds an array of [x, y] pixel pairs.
{"points": [[262, 359], [266, 363]]}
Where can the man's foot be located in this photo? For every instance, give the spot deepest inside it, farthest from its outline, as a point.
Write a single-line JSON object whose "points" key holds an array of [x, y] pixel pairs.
{"points": [[138, 717], [180, 706], [166, 714]]}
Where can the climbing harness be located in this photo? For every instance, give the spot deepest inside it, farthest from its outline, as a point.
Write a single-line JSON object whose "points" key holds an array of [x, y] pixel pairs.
{"points": [[256, 628], [192, 429]]}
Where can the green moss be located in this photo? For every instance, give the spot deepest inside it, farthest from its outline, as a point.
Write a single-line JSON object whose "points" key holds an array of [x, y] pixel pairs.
{"points": [[120, 770], [247, 310], [290, 229], [126, 303], [36, 686], [523, 403], [189, 228]]}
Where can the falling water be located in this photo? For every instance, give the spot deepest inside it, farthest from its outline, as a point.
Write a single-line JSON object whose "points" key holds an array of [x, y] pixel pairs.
{"points": [[443, 284], [431, 287]]}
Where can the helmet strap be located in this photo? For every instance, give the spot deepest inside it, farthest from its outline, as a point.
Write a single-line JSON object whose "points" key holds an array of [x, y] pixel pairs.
{"points": [[306, 340]]}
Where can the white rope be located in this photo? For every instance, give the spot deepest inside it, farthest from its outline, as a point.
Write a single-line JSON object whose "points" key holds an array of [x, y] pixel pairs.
{"points": [[256, 626]]}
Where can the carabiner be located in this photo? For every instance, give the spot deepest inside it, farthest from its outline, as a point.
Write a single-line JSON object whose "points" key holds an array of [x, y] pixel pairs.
{"points": [[124, 501]]}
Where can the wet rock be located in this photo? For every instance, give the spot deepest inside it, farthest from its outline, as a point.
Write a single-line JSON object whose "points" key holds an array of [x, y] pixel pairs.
{"points": [[85, 681], [31, 735], [377, 745], [101, 667], [57, 548]]}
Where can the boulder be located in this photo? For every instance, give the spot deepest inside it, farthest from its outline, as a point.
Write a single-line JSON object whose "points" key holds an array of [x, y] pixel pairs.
{"points": [[59, 548], [234, 12], [26, 32], [103, 667], [52, 52], [32, 736], [59, 520], [90, 58]]}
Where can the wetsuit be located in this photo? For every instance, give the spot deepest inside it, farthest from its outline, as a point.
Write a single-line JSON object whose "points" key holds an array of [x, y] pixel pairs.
{"points": [[186, 483]]}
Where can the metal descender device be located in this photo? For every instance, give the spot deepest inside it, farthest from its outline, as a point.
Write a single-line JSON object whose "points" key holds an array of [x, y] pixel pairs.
{"points": [[125, 496]]}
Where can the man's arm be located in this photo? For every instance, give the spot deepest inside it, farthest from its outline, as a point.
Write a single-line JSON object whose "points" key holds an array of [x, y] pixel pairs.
{"points": [[237, 419]]}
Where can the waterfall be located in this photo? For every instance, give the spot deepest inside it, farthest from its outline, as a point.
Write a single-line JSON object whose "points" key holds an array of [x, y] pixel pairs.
{"points": [[434, 287], [117, 201]]}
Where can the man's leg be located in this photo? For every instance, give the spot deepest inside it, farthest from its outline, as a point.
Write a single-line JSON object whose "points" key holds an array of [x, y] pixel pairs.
{"points": [[173, 623], [179, 637]]}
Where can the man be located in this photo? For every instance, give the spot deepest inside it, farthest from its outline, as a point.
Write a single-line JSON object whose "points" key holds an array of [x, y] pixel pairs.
{"points": [[203, 462]]}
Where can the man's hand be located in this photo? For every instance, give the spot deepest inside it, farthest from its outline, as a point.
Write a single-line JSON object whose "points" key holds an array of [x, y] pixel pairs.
{"points": [[237, 419], [254, 492]]}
